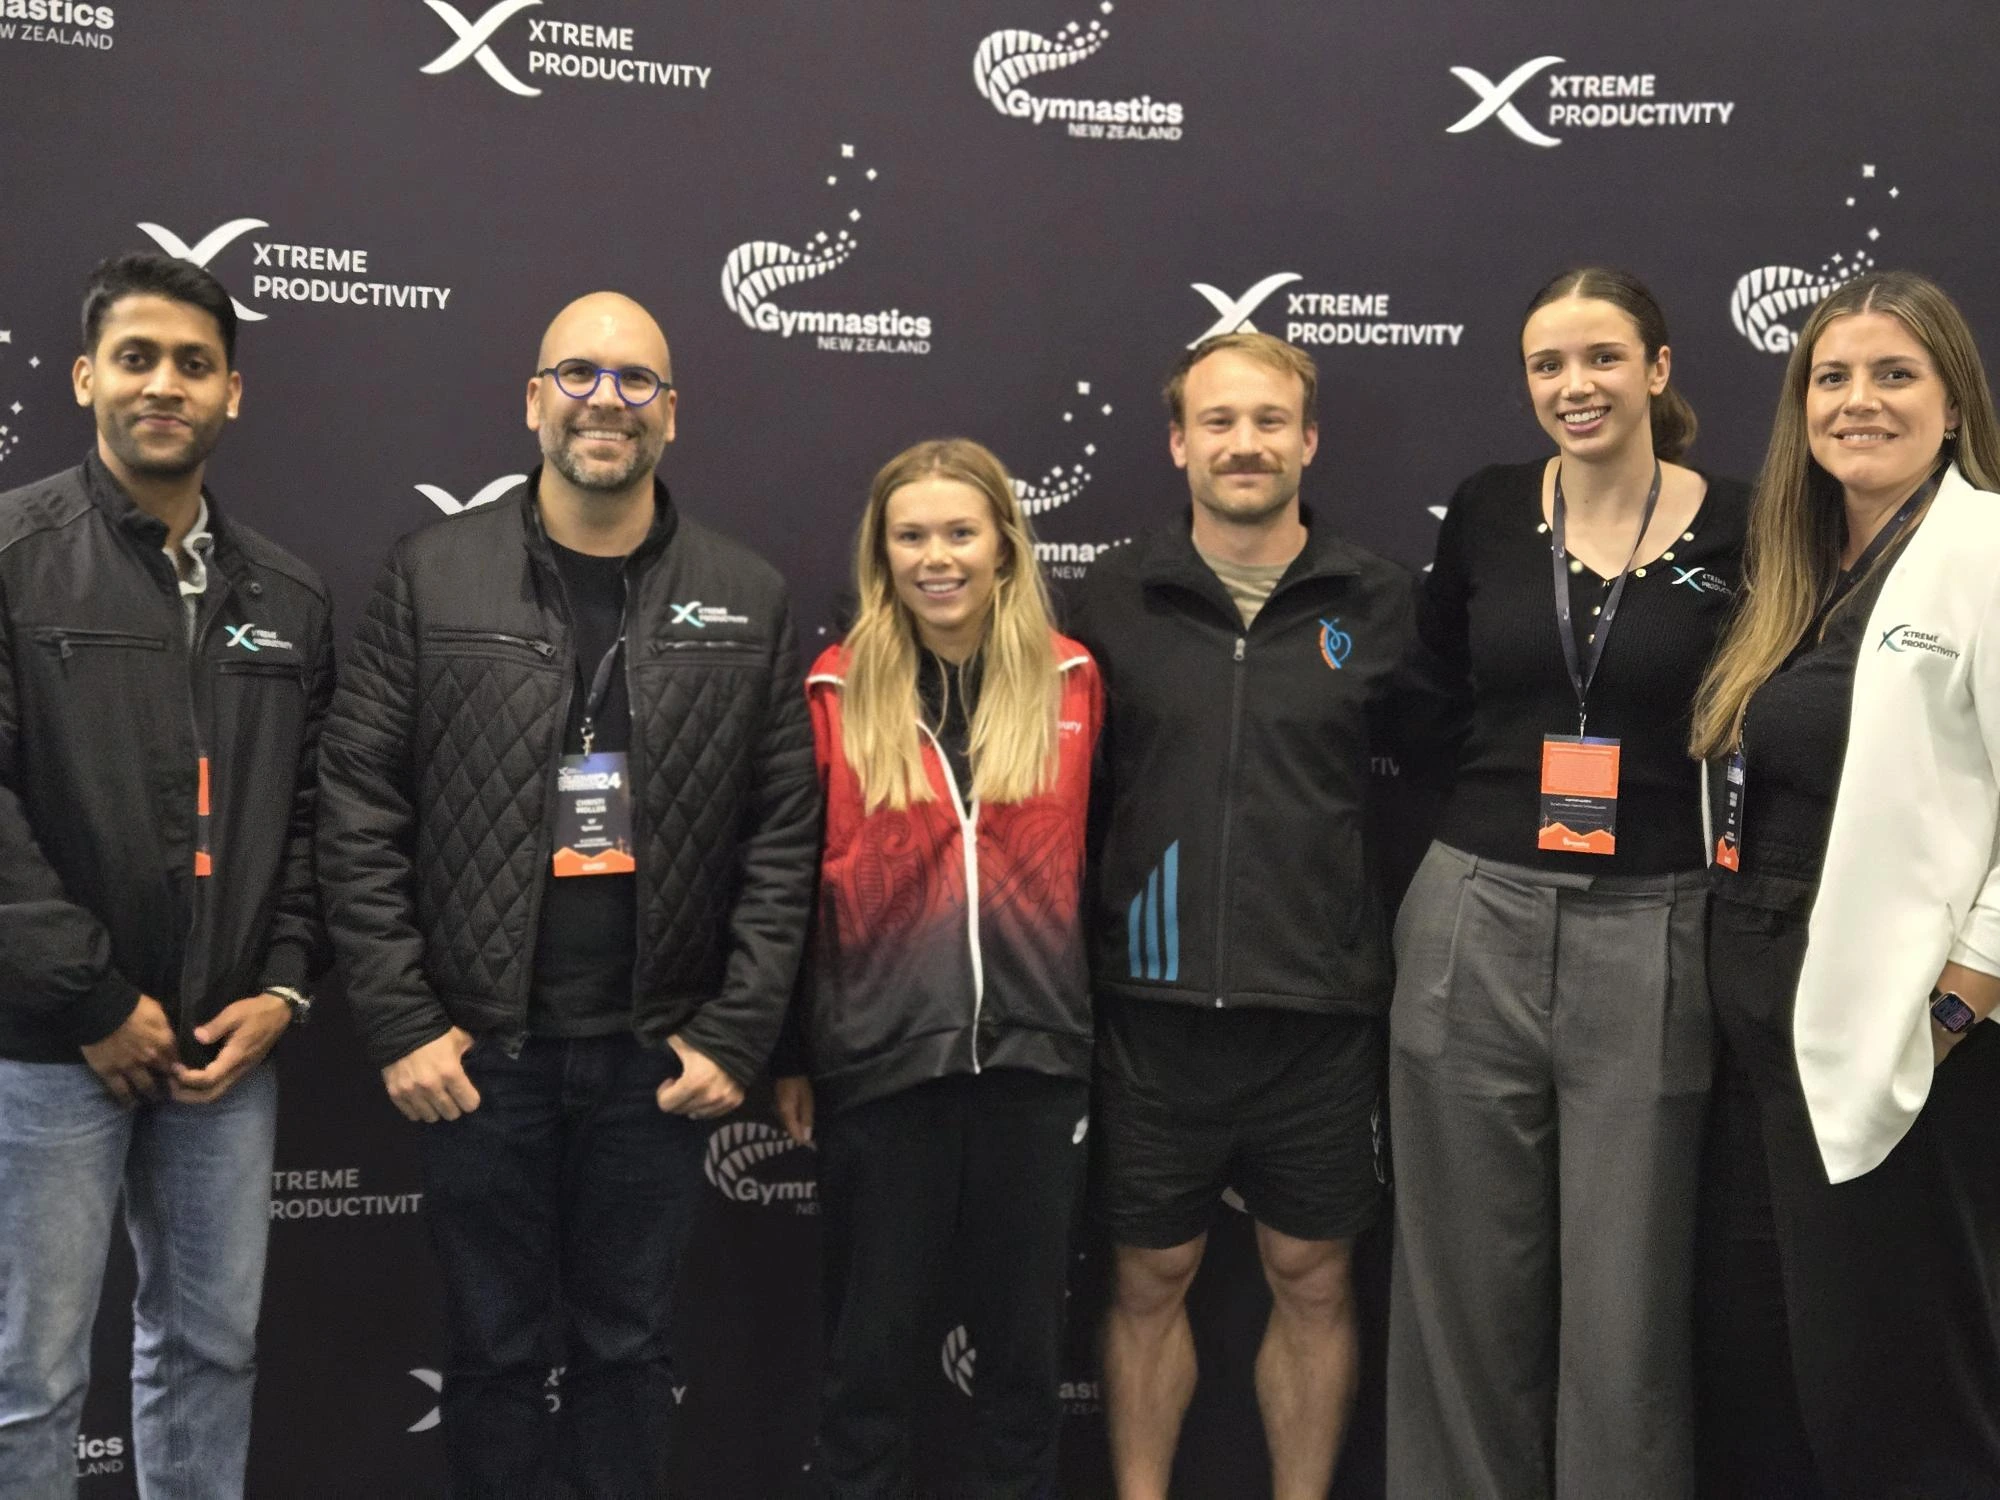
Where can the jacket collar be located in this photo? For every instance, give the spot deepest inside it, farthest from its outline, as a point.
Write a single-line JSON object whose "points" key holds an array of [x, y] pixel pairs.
{"points": [[146, 531], [666, 521], [1170, 560]]}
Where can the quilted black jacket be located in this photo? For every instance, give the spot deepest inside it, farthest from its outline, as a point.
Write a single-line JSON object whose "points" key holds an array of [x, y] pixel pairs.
{"points": [[106, 711], [438, 773]]}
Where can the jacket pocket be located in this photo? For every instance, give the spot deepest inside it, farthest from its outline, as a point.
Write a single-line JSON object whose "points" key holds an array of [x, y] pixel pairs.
{"points": [[1426, 945], [684, 653], [65, 641], [453, 639]]}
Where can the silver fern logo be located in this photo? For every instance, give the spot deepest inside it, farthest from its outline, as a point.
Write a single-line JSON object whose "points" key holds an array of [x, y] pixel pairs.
{"points": [[1765, 303], [743, 1164], [1063, 483], [14, 407], [1005, 61], [957, 1358], [757, 271]]}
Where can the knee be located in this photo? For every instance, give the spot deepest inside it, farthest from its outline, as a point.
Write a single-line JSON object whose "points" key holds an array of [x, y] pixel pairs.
{"points": [[1311, 1280], [1154, 1283]]}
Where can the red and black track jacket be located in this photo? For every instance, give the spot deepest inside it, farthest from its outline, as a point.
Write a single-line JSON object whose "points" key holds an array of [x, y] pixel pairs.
{"points": [[949, 936]]}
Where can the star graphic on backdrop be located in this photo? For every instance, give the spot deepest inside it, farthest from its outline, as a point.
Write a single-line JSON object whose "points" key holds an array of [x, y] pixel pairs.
{"points": [[871, 174], [1083, 387], [854, 215], [1874, 234], [848, 151], [1895, 192], [1107, 408], [1867, 171], [6, 337]]}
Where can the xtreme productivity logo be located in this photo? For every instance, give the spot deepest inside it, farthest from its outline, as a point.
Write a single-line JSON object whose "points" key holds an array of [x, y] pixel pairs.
{"points": [[341, 275], [757, 270], [1319, 317], [1005, 60], [584, 50], [1578, 101], [1765, 297]]}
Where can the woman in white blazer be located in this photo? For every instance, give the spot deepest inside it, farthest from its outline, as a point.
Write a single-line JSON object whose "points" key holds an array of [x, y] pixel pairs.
{"points": [[1850, 1292]]}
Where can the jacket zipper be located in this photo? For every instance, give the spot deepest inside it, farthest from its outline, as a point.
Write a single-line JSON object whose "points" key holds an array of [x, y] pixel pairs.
{"points": [[207, 613], [1222, 844], [968, 827], [543, 649]]}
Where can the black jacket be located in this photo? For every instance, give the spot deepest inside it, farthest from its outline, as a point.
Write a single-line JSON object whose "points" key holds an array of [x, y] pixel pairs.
{"points": [[105, 714], [1230, 867], [438, 779]]}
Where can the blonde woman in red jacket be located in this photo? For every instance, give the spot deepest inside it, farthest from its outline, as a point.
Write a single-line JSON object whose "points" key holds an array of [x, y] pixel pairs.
{"points": [[945, 1018]]}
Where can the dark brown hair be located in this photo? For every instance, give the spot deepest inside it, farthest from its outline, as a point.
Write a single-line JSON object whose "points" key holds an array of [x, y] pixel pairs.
{"points": [[1674, 424]]}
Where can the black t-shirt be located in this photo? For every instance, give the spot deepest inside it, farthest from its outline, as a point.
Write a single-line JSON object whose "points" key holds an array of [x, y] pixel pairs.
{"points": [[1488, 621], [589, 931], [1795, 738]]}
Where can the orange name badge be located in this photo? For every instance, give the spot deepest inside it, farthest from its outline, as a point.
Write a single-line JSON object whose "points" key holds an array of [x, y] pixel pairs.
{"points": [[1579, 795], [594, 815]]}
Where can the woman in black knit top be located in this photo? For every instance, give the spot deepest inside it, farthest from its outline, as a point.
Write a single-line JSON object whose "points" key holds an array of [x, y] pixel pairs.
{"points": [[1550, 1037]]}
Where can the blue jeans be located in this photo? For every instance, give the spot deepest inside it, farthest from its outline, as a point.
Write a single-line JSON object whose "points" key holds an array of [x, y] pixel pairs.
{"points": [[559, 1210], [197, 1185]]}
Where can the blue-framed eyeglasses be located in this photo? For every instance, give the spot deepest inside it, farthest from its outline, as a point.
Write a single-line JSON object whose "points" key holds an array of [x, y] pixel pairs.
{"points": [[579, 379]]}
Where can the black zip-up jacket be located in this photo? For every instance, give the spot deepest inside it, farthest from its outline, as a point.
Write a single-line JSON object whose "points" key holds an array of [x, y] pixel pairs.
{"points": [[438, 784], [106, 712], [1229, 864]]}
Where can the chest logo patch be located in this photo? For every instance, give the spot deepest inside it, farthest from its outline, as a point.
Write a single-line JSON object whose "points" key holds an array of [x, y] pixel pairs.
{"points": [[1335, 644], [1901, 638], [1701, 580]]}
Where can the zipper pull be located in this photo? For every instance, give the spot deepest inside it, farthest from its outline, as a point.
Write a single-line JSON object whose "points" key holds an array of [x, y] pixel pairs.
{"points": [[62, 646], [543, 649], [1239, 648]]}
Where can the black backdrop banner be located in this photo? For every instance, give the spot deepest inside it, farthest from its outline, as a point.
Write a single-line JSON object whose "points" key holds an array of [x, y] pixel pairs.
{"points": [[864, 224]]}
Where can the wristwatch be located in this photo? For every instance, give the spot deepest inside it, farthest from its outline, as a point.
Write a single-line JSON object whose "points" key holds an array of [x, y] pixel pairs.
{"points": [[1951, 1012], [301, 1004]]}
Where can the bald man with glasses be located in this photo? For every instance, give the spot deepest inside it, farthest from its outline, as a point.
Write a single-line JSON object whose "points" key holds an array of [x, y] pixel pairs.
{"points": [[568, 837]]}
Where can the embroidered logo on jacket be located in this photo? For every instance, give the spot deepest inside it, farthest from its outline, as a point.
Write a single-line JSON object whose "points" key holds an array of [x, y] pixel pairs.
{"points": [[1701, 580], [701, 616], [1335, 644], [254, 638]]}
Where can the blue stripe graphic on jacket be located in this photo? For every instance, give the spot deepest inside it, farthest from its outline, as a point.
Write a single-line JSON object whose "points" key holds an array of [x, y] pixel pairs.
{"points": [[1153, 921]]}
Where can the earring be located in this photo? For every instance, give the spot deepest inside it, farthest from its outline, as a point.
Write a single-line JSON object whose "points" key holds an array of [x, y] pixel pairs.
{"points": [[1951, 434]]}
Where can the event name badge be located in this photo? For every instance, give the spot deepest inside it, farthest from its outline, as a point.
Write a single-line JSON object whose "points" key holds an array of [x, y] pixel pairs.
{"points": [[1729, 843], [594, 815], [1579, 794]]}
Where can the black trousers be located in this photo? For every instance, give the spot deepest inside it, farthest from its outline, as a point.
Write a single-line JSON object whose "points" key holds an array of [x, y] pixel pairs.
{"points": [[989, 1166], [1848, 1335]]}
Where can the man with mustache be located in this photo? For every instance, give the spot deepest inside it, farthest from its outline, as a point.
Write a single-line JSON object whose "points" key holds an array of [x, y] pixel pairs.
{"points": [[1239, 952], [166, 673], [568, 848]]}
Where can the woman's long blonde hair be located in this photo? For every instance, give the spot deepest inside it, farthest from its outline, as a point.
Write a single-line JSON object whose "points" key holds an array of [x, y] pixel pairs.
{"points": [[1791, 557], [1014, 723]]}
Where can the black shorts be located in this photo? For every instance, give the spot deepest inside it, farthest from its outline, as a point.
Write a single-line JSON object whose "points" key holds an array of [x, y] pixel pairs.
{"points": [[1282, 1106]]}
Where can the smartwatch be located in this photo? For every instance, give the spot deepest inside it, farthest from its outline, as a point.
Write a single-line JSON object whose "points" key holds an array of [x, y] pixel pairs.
{"points": [[301, 1004], [1951, 1012]]}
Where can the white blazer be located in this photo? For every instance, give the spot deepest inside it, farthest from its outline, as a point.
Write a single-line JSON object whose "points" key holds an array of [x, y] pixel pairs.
{"points": [[1912, 874]]}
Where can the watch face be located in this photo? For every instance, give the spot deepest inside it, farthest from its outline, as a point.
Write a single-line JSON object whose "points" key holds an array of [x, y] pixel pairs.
{"points": [[1950, 1012]]}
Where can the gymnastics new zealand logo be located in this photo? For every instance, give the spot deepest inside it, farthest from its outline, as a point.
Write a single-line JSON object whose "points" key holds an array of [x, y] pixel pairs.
{"points": [[11, 407], [757, 270], [1005, 60], [741, 1164], [958, 1357], [1764, 299]]}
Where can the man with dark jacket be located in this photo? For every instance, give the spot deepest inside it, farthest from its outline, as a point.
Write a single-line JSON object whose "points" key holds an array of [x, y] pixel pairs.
{"points": [[165, 679], [568, 846], [1239, 957]]}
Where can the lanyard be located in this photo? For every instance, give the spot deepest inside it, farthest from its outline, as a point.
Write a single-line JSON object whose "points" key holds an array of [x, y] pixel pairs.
{"points": [[1872, 553], [1583, 673], [600, 686]]}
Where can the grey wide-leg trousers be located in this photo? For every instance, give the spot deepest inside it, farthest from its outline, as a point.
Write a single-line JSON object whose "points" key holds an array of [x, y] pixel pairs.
{"points": [[1550, 1060]]}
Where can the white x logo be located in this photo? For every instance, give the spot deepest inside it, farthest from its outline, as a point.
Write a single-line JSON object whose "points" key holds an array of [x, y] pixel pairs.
{"points": [[206, 249], [1494, 97], [1236, 313], [473, 37], [445, 501]]}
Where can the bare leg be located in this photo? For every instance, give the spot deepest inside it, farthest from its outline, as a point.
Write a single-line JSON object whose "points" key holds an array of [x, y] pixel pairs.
{"points": [[1307, 1367], [1148, 1364]]}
